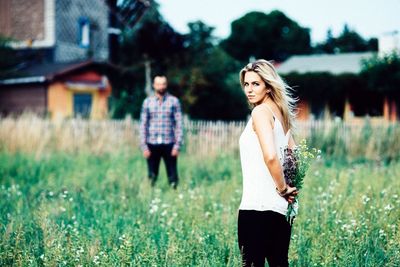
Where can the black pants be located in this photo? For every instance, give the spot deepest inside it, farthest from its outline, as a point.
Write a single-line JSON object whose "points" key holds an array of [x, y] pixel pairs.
{"points": [[263, 235], [153, 163]]}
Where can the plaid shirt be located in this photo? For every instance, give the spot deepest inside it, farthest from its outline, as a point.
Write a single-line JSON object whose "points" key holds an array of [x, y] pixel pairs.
{"points": [[161, 122]]}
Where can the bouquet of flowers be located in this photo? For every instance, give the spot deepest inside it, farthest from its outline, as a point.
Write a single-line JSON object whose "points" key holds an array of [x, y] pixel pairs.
{"points": [[296, 163]]}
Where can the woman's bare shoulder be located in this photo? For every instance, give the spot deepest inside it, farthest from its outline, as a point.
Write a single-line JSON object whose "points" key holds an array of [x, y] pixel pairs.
{"points": [[261, 114], [262, 111]]}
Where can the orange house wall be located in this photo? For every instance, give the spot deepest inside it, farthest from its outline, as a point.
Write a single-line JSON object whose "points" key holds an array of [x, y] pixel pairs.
{"points": [[59, 101], [102, 103], [60, 98]]}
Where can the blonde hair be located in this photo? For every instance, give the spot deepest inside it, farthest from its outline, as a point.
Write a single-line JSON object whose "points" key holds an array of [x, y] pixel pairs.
{"points": [[280, 91]]}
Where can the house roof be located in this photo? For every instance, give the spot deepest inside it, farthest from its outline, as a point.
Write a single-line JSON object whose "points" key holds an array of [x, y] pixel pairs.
{"points": [[40, 73], [49, 70], [335, 63]]}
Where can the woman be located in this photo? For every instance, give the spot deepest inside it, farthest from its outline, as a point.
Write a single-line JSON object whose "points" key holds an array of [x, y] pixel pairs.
{"points": [[263, 231]]}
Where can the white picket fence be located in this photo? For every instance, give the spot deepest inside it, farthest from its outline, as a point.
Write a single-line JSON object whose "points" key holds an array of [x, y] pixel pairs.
{"points": [[201, 137]]}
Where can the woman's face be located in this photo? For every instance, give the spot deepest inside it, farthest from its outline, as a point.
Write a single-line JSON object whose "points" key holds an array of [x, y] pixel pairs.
{"points": [[254, 87]]}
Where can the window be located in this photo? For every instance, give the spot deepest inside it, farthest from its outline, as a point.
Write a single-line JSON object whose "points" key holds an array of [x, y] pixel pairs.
{"points": [[82, 105], [84, 32]]}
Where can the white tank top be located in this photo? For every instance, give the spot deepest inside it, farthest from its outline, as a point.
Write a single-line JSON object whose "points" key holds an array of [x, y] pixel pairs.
{"points": [[259, 191]]}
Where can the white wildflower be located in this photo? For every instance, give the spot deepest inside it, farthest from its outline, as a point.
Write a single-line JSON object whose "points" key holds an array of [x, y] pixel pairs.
{"points": [[382, 233], [153, 209], [96, 260], [365, 199], [388, 207]]}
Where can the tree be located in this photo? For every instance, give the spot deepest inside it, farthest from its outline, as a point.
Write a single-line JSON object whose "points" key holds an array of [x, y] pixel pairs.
{"points": [[348, 41], [199, 72], [208, 82], [270, 36], [128, 93], [383, 73], [215, 89], [151, 38], [199, 41]]}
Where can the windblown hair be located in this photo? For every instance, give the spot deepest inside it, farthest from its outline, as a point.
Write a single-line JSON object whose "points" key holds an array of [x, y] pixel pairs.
{"points": [[280, 91]]}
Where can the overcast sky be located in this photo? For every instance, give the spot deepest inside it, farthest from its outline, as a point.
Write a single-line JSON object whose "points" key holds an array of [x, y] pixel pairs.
{"points": [[370, 18]]}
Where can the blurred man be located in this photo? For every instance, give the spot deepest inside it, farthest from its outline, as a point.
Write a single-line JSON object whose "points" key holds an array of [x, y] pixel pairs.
{"points": [[161, 131]]}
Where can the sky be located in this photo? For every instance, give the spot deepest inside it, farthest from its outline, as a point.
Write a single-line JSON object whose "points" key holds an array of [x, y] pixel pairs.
{"points": [[370, 18]]}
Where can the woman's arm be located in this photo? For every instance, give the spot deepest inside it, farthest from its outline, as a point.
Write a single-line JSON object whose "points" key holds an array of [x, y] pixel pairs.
{"points": [[263, 126]]}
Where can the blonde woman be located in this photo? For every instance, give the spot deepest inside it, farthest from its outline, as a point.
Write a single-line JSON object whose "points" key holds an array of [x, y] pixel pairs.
{"points": [[263, 231]]}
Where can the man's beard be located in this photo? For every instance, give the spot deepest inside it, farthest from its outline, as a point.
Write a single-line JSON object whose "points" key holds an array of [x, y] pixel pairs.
{"points": [[161, 92]]}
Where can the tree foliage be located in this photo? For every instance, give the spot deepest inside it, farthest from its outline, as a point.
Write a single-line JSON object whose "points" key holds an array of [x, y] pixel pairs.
{"points": [[214, 91], [199, 40], [270, 36], [382, 73], [208, 85], [200, 73], [348, 41], [152, 38]]}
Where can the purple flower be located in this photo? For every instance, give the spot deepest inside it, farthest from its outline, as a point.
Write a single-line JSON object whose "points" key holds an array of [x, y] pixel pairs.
{"points": [[290, 164], [296, 162]]}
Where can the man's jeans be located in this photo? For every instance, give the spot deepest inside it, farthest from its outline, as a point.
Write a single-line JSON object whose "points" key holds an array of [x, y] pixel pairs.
{"points": [[153, 163]]}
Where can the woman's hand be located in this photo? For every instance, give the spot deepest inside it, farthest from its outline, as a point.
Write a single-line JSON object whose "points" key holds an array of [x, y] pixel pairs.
{"points": [[289, 193]]}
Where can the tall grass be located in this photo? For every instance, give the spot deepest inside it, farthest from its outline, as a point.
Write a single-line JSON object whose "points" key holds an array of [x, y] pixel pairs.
{"points": [[340, 140]]}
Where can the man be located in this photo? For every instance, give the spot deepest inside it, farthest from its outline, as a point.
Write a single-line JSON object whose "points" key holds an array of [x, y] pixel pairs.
{"points": [[161, 131]]}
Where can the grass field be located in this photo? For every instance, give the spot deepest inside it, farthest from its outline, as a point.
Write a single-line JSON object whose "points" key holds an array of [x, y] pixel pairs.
{"points": [[71, 208], [79, 209]]}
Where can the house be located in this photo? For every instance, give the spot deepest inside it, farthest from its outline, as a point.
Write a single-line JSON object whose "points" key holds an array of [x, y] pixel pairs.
{"points": [[59, 90], [57, 30], [64, 44], [356, 104]]}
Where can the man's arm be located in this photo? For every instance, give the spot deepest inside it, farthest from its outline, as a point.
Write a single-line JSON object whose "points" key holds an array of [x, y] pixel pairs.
{"points": [[178, 126], [144, 126]]}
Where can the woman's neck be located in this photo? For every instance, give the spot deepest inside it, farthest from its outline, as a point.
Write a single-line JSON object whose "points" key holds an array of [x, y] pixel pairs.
{"points": [[266, 100]]}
